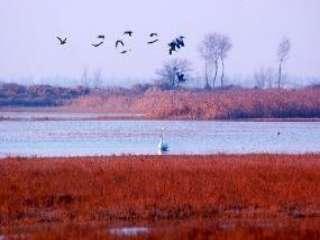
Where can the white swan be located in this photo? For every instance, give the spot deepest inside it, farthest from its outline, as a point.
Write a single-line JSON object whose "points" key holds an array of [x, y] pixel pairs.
{"points": [[163, 147]]}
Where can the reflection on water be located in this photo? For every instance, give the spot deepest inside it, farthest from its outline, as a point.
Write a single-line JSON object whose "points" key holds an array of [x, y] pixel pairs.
{"points": [[63, 115], [129, 231], [78, 138]]}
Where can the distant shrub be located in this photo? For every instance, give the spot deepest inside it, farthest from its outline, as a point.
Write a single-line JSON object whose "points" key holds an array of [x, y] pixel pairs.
{"points": [[38, 95]]}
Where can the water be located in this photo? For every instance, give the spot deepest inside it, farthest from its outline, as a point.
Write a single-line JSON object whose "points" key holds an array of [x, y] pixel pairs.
{"points": [[23, 116], [91, 137], [129, 231]]}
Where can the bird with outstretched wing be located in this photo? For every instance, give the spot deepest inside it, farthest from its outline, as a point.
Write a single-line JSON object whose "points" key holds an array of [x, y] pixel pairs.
{"points": [[153, 34], [97, 44], [101, 36], [62, 41], [119, 42], [154, 41], [129, 33]]}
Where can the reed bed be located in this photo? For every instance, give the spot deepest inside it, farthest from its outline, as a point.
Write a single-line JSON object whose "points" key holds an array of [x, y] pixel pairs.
{"points": [[202, 105], [69, 196]]}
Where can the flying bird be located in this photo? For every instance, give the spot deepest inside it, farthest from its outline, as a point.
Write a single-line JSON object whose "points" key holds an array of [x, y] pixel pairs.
{"points": [[172, 46], [118, 42], [181, 77], [124, 51], [180, 42], [177, 43], [129, 33], [153, 34], [97, 44], [101, 36], [154, 41], [62, 41]]}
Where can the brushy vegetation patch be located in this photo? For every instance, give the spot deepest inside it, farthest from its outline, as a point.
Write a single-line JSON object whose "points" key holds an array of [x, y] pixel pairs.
{"points": [[154, 103], [232, 104], [12, 94], [158, 188], [200, 104]]}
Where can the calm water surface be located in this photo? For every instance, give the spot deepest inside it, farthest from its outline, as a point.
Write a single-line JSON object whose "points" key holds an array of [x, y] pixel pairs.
{"points": [[78, 138]]}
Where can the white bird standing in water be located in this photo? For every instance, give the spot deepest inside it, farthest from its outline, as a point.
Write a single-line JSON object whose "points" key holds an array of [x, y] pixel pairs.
{"points": [[163, 147]]}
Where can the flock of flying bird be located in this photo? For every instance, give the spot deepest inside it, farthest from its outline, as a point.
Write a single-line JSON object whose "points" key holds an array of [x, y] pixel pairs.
{"points": [[173, 45]]}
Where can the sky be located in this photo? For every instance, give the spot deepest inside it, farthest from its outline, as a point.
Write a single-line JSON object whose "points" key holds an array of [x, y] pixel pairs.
{"points": [[30, 51]]}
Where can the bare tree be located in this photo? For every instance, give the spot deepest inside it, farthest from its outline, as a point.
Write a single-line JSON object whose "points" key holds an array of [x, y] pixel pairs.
{"points": [[283, 54], [213, 48], [85, 78], [224, 46], [264, 78], [209, 51], [168, 73], [97, 79], [206, 75]]}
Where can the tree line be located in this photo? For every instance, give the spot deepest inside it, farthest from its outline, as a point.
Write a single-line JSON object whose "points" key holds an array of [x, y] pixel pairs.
{"points": [[214, 49]]}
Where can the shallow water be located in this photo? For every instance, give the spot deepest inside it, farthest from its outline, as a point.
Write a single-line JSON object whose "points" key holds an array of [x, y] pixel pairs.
{"points": [[24, 116], [129, 231], [79, 138]]}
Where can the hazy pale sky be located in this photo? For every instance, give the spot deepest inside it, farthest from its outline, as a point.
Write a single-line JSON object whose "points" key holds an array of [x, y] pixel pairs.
{"points": [[29, 47]]}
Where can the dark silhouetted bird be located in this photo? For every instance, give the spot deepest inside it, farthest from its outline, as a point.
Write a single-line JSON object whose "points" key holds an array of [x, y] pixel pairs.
{"points": [[97, 44], [154, 41], [180, 42], [153, 34], [172, 46], [101, 36], [129, 33], [62, 41], [180, 77], [125, 51], [118, 42]]}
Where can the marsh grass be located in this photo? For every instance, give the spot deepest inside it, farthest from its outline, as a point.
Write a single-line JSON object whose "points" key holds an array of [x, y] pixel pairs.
{"points": [[71, 194]]}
